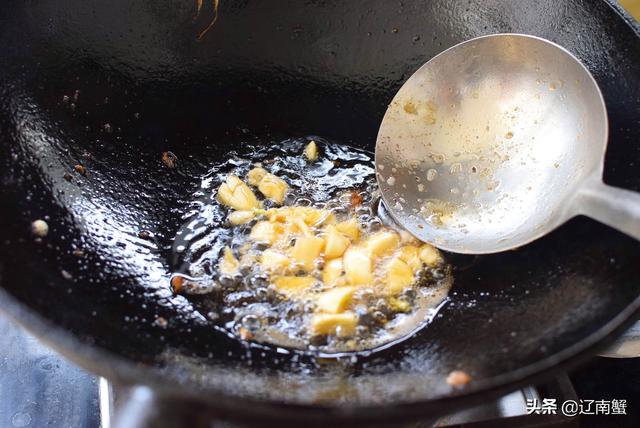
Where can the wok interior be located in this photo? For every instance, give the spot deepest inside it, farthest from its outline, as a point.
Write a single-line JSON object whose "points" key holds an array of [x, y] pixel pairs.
{"points": [[265, 73]]}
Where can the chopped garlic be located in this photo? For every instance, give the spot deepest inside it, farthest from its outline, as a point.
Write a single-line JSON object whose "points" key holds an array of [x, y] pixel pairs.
{"points": [[332, 274], [409, 255], [339, 324], [430, 255], [236, 194], [40, 228], [311, 216], [399, 276], [335, 243], [228, 264], [399, 305], [357, 266], [266, 232], [301, 226], [293, 285], [241, 217], [382, 243], [349, 228], [311, 151], [306, 250], [337, 260], [335, 300], [273, 188], [273, 261], [256, 175]]}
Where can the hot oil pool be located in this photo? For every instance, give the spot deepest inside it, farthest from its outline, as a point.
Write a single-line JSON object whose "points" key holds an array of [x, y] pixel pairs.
{"points": [[284, 246]]}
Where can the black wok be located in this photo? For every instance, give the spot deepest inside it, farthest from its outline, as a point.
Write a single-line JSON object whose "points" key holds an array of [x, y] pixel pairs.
{"points": [[112, 85]]}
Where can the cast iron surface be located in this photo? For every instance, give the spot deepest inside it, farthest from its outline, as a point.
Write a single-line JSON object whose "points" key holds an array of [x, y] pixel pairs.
{"points": [[268, 71]]}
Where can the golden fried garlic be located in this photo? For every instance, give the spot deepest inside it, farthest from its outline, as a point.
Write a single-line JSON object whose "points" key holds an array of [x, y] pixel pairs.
{"points": [[310, 254]]}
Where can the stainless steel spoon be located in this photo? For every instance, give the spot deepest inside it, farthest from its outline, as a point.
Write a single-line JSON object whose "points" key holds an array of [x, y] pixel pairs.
{"points": [[494, 143]]}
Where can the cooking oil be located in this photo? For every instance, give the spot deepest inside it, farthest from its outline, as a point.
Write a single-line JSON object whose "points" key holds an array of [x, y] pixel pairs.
{"points": [[342, 181]]}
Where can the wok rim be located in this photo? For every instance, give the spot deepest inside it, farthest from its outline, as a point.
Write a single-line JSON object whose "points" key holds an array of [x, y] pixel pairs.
{"points": [[115, 368]]}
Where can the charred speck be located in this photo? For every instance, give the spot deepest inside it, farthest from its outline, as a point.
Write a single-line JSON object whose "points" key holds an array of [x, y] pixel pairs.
{"points": [[161, 322], [318, 340], [169, 159], [177, 283], [438, 274], [355, 199], [245, 334]]}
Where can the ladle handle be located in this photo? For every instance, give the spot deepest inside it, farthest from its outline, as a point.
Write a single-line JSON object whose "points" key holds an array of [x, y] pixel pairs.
{"points": [[615, 207]]}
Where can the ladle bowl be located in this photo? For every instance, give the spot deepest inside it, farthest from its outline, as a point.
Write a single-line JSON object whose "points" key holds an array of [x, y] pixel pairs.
{"points": [[495, 142]]}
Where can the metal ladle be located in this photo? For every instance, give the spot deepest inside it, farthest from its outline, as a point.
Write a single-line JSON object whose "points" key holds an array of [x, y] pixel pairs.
{"points": [[494, 143]]}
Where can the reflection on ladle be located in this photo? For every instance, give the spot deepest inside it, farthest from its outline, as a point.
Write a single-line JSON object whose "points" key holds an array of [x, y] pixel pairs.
{"points": [[505, 157]]}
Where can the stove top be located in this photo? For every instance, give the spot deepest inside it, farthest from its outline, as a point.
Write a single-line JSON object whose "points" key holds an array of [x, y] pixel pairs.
{"points": [[39, 388]]}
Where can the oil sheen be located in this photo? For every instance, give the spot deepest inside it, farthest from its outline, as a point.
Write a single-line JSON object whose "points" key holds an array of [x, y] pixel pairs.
{"points": [[246, 303]]}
